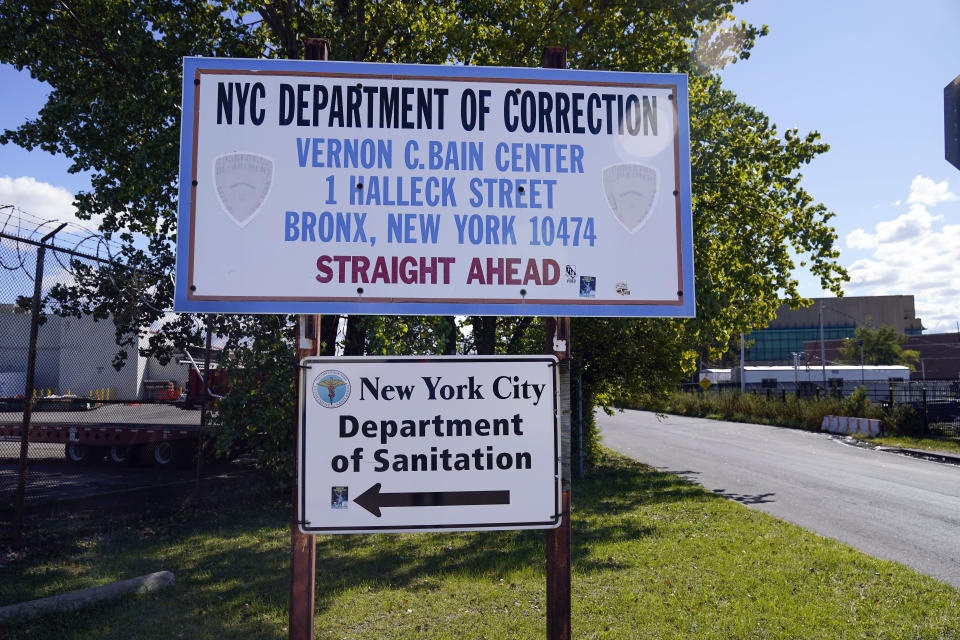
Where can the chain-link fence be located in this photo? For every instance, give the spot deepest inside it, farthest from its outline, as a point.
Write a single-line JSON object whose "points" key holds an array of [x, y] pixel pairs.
{"points": [[883, 392], [74, 422]]}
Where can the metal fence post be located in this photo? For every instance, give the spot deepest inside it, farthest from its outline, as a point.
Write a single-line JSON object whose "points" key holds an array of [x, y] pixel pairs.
{"points": [[580, 427], [28, 387], [926, 416]]}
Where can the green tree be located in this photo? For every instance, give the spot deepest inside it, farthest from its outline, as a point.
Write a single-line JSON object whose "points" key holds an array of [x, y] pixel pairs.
{"points": [[114, 110], [881, 345], [114, 69], [750, 213], [258, 411]]}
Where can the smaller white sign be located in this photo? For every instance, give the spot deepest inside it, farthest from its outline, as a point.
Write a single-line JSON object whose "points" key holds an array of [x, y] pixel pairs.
{"points": [[445, 443]]}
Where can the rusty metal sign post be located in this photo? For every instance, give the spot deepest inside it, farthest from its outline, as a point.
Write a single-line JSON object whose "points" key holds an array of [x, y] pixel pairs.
{"points": [[558, 540], [303, 547]]}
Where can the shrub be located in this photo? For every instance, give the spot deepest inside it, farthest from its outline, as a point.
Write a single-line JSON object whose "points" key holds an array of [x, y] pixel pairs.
{"points": [[857, 403], [904, 420], [258, 413], [793, 411]]}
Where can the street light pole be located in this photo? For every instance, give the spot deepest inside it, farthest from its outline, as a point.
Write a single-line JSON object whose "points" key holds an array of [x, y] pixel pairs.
{"points": [[743, 382], [862, 383], [796, 372]]}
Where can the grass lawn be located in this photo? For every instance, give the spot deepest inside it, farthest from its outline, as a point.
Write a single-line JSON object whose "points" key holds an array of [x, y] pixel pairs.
{"points": [[653, 557], [949, 445]]}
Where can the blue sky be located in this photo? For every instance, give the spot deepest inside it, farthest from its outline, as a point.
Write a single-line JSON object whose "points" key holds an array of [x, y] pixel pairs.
{"points": [[868, 75]]}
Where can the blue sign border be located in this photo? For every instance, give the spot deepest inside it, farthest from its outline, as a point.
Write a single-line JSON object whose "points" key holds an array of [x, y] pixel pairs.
{"points": [[685, 308]]}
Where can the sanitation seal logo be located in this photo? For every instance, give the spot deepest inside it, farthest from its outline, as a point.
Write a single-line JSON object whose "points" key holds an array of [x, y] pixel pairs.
{"points": [[331, 388]]}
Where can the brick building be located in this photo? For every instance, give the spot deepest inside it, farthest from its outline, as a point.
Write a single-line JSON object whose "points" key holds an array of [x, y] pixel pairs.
{"points": [[792, 328]]}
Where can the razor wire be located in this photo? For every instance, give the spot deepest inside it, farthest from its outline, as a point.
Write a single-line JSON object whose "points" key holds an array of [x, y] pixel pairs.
{"points": [[20, 237], [23, 229]]}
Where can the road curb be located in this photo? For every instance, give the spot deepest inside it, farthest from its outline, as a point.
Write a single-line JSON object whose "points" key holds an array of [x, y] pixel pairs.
{"points": [[932, 456]]}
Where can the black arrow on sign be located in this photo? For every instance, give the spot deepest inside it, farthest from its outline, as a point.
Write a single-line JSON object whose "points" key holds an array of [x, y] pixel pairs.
{"points": [[372, 499]]}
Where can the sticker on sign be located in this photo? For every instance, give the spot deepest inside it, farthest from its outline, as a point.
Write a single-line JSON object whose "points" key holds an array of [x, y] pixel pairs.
{"points": [[441, 443]]}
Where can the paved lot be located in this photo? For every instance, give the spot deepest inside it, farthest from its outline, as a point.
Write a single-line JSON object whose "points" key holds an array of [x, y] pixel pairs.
{"points": [[58, 480], [50, 477], [887, 505], [10, 450], [161, 414]]}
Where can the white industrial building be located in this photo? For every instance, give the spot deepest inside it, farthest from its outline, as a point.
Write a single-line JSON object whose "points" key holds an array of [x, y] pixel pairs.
{"points": [[785, 375], [75, 355]]}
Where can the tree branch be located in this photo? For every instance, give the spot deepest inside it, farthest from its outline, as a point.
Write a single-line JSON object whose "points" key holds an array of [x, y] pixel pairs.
{"points": [[518, 331], [94, 45]]}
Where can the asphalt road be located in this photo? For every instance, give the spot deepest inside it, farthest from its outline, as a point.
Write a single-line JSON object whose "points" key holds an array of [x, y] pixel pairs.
{"points": [[887, 505]]}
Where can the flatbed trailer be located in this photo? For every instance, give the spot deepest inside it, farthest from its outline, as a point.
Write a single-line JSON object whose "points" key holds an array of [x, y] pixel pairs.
{"points": [[159, 436], [117, 443]]}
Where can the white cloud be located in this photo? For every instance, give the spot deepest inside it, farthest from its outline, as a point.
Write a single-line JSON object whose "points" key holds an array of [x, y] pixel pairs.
{"points": [[39, 199], [915, 223], [30, 208], [865, 273], [860, 239], [927, 192], [915, 253]]}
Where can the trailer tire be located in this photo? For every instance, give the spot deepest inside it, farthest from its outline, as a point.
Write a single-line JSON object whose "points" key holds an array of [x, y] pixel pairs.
{"points": [[167, 453], [85, 454], [123, 455]]}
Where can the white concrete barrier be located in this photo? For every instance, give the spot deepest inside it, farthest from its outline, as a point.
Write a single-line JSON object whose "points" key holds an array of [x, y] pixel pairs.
{"points": [[849, 426]]}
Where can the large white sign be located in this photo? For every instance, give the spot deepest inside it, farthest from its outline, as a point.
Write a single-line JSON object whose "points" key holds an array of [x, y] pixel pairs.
{"points": [[319, 187], [441, 443]]}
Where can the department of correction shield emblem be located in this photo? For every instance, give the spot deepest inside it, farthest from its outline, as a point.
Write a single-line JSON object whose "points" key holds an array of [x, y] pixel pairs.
{"points": [[331, 388], [631, 191], [243, 182]]}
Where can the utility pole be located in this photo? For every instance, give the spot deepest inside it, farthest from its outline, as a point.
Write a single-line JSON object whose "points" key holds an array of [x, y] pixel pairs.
{"points": [[796, 372], [860, 342], [743, 382]]}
